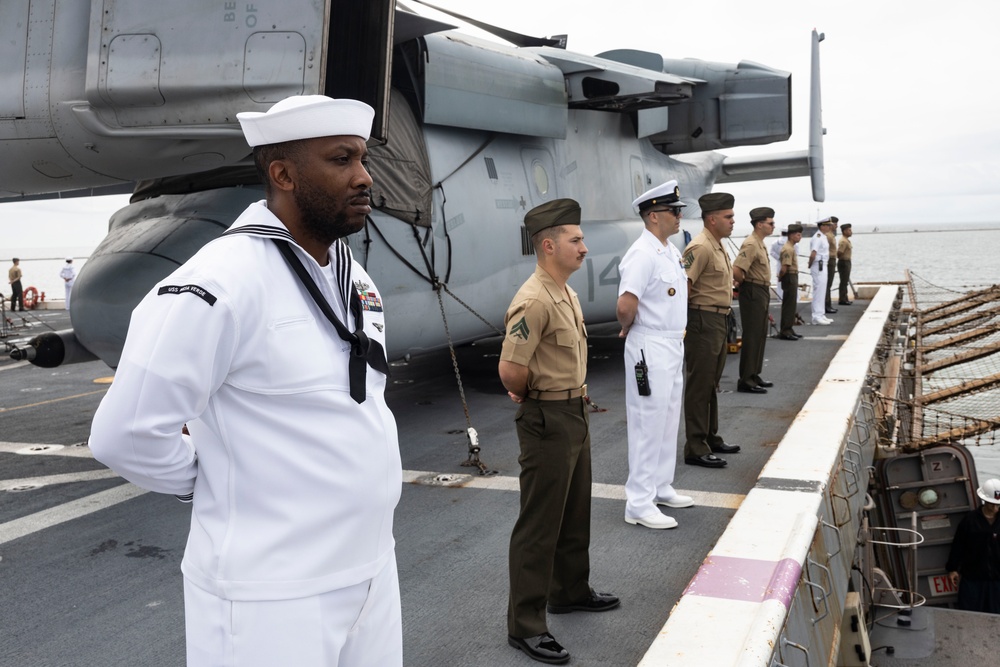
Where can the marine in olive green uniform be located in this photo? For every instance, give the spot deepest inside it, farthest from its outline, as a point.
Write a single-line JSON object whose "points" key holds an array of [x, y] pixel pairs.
{"points": [[752, 270], [844, 249], [543, 365], [832, 265], [710, 296], [788, 276]]}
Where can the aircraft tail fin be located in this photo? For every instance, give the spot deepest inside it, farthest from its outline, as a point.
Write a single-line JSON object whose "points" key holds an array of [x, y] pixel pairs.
{"points": [[794, 163], [816, 130]]}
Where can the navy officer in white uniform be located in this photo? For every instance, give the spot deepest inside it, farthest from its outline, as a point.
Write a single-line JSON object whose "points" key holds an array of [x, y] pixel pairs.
{"points": [[652, 311], [252, 382]]}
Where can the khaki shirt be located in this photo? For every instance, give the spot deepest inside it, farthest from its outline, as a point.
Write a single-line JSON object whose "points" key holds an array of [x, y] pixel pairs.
{"points": [[14, 273], [709, 271], [545, 332], [754, 261], [833, 245], [844, 249], [788, 258]]}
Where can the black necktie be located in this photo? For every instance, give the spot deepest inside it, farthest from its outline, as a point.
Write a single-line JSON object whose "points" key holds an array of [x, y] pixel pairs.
{"points": [[364, 351]]}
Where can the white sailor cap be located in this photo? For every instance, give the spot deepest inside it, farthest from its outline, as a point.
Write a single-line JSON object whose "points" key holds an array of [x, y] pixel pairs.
{"points": [[307, 117], [667, 194]]}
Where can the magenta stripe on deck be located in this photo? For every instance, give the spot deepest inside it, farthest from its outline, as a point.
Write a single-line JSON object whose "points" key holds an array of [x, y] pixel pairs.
{"points": [[746, 579]]}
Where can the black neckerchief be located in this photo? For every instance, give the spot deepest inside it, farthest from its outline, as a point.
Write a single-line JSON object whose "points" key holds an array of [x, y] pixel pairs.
{"points": [[364, 351]]}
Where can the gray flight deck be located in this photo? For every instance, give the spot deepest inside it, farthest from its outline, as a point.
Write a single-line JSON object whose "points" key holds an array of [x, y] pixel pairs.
{"points": [[105, 588]]}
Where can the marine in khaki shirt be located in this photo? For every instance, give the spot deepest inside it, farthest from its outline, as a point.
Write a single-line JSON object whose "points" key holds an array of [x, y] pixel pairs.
{"points": [[753, 261], [709, 272], [543, 365], [752, 270], [545, 333]]}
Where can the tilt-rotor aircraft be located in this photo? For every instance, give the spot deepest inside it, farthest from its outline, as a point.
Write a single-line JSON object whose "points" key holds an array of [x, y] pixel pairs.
{"points": [[112, 96]]}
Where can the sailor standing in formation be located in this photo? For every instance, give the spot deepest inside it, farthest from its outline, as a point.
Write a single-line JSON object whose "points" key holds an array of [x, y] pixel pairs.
{"points": [[244, 386], [831, 269], [652, 311], [543, 366], [775, 253], [819, 259], [68, 274], [844, 249], [710, 297], [752, 270], [788, 276]]}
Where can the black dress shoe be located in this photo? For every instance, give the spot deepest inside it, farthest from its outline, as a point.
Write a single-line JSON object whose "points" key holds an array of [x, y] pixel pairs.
{"points": [[831, 311], [595, 602], [788, 337], [797, 334], [844, 303], [724, 448], [749, 389], [706, 461], [764, 383], [543, 648]]}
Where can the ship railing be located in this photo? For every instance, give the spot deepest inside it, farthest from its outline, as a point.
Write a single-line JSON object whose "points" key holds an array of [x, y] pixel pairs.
{"points": [[777, 580]]}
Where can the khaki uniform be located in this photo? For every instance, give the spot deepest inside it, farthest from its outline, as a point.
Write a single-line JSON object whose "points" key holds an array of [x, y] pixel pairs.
{"points": [[549, 556], [832, 266], [844, 266], [709, 300], [789, 286], [17, 293], [755, 296]]}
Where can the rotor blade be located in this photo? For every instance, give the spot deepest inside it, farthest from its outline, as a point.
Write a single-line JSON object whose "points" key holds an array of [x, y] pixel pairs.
{"points": [[514, 38], [816, 130]]}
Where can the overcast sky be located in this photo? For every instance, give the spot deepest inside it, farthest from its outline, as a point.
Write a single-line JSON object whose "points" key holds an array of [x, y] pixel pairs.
{"points": [[910, 101]]}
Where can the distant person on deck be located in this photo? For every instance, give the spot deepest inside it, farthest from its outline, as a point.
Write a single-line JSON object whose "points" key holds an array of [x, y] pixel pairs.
{"points": [[844, 249], [752, 270], [788, 276], [974, 561], [68, 274], [14, 276], [775, 253], [831, 270], [819, 260]]}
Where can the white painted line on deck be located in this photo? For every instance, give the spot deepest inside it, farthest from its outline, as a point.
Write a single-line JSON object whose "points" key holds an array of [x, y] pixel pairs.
{"points": [[81, 507], [75, 509], [48, 480], [603, 491]]}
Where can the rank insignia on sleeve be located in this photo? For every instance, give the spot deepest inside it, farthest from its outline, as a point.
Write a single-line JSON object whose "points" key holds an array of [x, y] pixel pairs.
{"points": [[520, 330], [688, 259]]}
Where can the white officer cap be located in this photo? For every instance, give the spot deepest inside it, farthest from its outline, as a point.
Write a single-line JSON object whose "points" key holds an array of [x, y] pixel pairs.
{"points": [[307, 117], [666, 194]]}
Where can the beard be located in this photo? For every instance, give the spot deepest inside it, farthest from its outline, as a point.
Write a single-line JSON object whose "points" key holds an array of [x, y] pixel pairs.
{"points": [[325, 218]]}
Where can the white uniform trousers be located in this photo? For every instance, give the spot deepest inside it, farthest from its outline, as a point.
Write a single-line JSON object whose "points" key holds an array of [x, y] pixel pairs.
{"points": [[653, 420], [357, 626], [775, 268], [819, 291]]}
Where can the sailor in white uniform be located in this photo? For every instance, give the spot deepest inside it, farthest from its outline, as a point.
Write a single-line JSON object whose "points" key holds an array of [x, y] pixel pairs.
{"points": [[68, 274], [652, 311], [252, 382], [819, 258], [775, 252]]}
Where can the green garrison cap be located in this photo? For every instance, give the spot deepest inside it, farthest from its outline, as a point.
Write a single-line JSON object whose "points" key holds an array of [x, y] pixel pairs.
{"points": [[552, 214], [761, 213], [716, 201], [794, 228], [844, 226]]}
